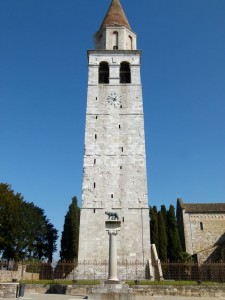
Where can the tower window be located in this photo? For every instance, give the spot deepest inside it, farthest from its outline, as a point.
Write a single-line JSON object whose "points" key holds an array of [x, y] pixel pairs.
{"points": [[94, 161], [96, 136], [115, 40], [96, 117], [94, 185], [121, 167], [111, 195], [125, 72], [122, 149], [96, 98], [201, 226], [123, 219], [121, 106], [103, 72], [94, 210], [119, 126], [131, 42]]}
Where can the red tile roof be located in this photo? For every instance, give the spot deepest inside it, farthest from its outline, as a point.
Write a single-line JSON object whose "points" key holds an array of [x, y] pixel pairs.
{"points": [[202, 207], [115, 16]]}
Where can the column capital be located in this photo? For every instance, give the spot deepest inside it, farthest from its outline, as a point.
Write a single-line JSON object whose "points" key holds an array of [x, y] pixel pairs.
{"points": [[112, 232]]}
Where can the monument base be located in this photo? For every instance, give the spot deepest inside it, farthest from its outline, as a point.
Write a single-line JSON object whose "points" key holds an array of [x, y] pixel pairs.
{"points": [[112, 281], [112, 291], [111, 287]]}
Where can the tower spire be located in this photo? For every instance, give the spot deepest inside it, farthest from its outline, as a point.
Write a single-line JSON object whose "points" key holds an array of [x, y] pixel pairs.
{"points": [[115, 16], [115, 32]]}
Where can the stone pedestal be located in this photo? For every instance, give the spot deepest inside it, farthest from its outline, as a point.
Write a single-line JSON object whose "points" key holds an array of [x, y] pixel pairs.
{"points": [[8, 290], [112, 291], [112, 226]]}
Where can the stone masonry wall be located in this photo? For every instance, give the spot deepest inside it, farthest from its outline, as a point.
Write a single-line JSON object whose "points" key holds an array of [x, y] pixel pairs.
{"points": [[20, 274], [144, 291], [105, 38], [114, 169], [204, 232], [8, 290]]}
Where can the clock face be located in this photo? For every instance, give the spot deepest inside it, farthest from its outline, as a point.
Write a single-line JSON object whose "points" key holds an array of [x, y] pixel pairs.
{"points": [[114, 99]]}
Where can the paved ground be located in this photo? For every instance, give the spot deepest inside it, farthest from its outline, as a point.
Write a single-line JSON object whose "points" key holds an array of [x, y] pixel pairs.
{"points": [[67, 297], [48, 297]]}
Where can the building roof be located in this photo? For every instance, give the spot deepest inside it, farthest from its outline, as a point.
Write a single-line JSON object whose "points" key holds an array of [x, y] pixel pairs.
{"points": [[115, 16], [202, 207]]}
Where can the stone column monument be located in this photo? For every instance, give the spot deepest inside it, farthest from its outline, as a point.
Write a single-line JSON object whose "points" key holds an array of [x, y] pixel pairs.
{"points": [[112, 226]]}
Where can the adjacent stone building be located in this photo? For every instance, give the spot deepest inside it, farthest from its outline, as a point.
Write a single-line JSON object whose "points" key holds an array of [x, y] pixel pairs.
{"points": [[202, 230], [114, 168]]}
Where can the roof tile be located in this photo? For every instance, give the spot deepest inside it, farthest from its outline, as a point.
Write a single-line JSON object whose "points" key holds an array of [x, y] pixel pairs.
{"points": [[115, 16]]}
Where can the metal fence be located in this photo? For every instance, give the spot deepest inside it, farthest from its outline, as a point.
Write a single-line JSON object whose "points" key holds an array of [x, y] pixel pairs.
{"points": [[36, 270], [193, 272], [99, 270]]}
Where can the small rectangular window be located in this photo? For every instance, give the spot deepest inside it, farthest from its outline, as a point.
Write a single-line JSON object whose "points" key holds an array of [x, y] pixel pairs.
{"points": [[94, 210], [96, 117], [96, 98], [122, 149], [94, 161], [121, 167], [121, 106], [123, 219], [96, 136], [201, 226], [119, 126], [111, 195], [94, 185]]}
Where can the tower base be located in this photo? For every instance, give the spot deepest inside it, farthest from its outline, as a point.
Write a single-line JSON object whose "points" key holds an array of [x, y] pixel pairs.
{"points": [[126, 271]]}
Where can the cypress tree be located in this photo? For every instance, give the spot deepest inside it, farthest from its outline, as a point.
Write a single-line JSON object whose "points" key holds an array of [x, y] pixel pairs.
{"points": [[162, 232], [174, 248], [70, 234], [164, 213], [154, 226]]}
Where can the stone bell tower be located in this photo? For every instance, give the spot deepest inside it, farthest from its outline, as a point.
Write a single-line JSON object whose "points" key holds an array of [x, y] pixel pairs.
{"points": [[114, 168]]}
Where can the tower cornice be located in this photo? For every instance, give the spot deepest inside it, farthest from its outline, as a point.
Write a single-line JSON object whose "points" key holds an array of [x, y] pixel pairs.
{"points": [[114, 52]]}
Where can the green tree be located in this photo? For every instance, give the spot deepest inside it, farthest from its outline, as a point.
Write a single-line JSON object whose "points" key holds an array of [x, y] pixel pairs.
{"points": [[24, 229], [154, 226], [164, 213], [70, 234], [162, 237], [51, 238], [174, 248]]}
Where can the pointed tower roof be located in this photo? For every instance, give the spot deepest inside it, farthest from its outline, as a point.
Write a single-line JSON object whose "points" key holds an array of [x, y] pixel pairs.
{"points": [[115, 16]]}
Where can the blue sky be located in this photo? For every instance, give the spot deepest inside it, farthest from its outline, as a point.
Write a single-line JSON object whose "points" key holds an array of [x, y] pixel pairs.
{"points": [[43, 86]]}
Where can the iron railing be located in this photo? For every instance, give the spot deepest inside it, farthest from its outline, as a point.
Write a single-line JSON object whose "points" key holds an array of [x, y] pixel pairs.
{"points": [[39, 270]]}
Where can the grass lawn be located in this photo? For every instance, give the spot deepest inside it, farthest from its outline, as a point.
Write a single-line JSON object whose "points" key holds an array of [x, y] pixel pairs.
{"points": [[130, 282]]}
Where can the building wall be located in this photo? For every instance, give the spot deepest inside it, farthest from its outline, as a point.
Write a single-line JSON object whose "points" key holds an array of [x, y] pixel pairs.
{"points": [[206, 230], [105, 38], [202, 234], [20, 274], [114, 174]]}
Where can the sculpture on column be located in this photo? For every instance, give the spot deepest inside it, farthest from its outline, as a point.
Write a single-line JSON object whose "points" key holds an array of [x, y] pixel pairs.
{"points": [[112, 215], [113, 227]]}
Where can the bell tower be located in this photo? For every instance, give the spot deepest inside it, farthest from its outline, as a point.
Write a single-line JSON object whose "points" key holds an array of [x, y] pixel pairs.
{"points": [[114, 168]]}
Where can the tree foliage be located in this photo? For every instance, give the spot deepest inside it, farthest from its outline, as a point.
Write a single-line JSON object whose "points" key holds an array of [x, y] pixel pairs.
{"points": [[70, 234], [164, 234], [154, 226], [162, 248], [25, 231], [174, 244]]}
